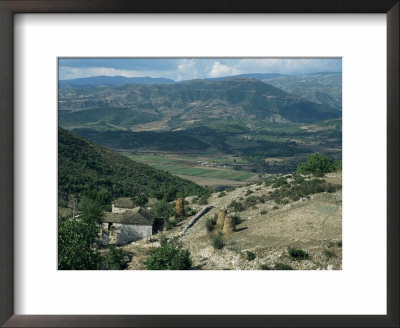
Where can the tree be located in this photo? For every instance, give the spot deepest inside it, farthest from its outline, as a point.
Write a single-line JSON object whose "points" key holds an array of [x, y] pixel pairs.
{"points": [[316, 164], [163, 209], [76, 238]]}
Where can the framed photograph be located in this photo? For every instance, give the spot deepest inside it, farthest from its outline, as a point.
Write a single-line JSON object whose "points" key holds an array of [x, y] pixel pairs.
{"points": [[217, 164]]}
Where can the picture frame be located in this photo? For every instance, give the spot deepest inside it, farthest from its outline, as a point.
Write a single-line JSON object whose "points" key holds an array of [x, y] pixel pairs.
{"points": [[8, 8]]}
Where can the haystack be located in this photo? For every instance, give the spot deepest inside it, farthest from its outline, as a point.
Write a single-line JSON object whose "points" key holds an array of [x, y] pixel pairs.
{"points": [[229, 225], [220, 220], [180, 208]]}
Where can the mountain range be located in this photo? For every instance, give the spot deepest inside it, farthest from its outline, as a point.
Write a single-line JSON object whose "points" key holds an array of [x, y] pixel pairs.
{"points": [[181, 104]]}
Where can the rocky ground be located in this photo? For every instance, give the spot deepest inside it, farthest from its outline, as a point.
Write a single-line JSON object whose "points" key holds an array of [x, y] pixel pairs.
{"points": [[267, 229]]}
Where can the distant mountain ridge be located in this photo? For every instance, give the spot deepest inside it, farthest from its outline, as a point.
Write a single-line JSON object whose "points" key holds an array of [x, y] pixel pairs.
{"points": [[245, 100], [113, 80]]}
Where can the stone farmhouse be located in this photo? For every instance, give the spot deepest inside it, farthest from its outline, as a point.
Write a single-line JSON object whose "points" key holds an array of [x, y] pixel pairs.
{"points": [[121, 205], [125, 225]]}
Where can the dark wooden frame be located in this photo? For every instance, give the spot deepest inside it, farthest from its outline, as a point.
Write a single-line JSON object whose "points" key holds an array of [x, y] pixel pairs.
{"points": [[7, 10]]}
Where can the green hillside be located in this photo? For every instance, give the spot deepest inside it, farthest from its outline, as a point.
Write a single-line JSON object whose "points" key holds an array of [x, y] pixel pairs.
{"points": [[83, 166]]}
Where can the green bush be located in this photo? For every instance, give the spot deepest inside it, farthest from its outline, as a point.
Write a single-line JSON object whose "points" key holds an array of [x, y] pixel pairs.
{"points": [[330, 188], [250, 256], [339, 243], [265, 267], [236, 219], [163, 209], [217, 242], [209, 225], [203, 199], [282, 266], [114, 260], [167, 224], [329, 253], [236, 206], [275, 207], [297, 253], [279, 182], [168, 256], [248, 192], [263, 212], [222, 194]]}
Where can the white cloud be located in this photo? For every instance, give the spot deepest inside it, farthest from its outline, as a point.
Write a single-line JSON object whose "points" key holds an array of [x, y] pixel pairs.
{"points": [[66, 72], [219, 69], [289, 65], [187, 70]]}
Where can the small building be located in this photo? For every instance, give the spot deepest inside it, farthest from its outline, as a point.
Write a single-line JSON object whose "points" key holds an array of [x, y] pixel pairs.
{"points": [[127, 226], [122, 204]]}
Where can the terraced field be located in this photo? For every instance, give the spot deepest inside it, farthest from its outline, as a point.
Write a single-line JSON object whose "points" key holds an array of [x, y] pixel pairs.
{"points": [[188, 167]]}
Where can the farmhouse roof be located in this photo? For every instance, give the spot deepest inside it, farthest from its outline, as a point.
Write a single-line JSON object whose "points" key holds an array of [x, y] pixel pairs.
{"points": [[136, 216], [124, 202]]}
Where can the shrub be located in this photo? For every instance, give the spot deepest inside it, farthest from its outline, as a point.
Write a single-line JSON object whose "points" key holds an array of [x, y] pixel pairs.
{"points": [[203, 200], [265, 267], [114, 260], [195, 200], [248, 192], [250, 256], [339, 243], [330, 244], [236, 219], [209, 225], [330, 188], [275, 207], [263, 212], [279, 182], [253, 200], [297, 179], [168, 256], [217, 242], [236, 206], [167, 224], [222, 194], [329, 253], [282, 266], [163, 209], [163, 239], [297, 253]]}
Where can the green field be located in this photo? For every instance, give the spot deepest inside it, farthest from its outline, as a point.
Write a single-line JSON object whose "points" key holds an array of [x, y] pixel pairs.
{"points": [[205, 172], [187, 165]]}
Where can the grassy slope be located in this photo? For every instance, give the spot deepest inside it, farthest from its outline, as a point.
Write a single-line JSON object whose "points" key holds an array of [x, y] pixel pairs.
{"points": [[83, 165]]}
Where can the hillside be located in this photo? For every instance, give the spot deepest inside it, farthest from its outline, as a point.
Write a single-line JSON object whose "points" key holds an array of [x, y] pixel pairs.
{"points": [[267, 225], [320, 88], [83, 165], [178, 105]]}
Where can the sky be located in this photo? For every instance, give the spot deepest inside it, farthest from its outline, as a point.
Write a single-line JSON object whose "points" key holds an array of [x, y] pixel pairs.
{"points": [[192, 68]]}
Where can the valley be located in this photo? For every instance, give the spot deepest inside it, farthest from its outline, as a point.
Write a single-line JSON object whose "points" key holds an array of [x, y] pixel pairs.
{"points": [[236, 172]]}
